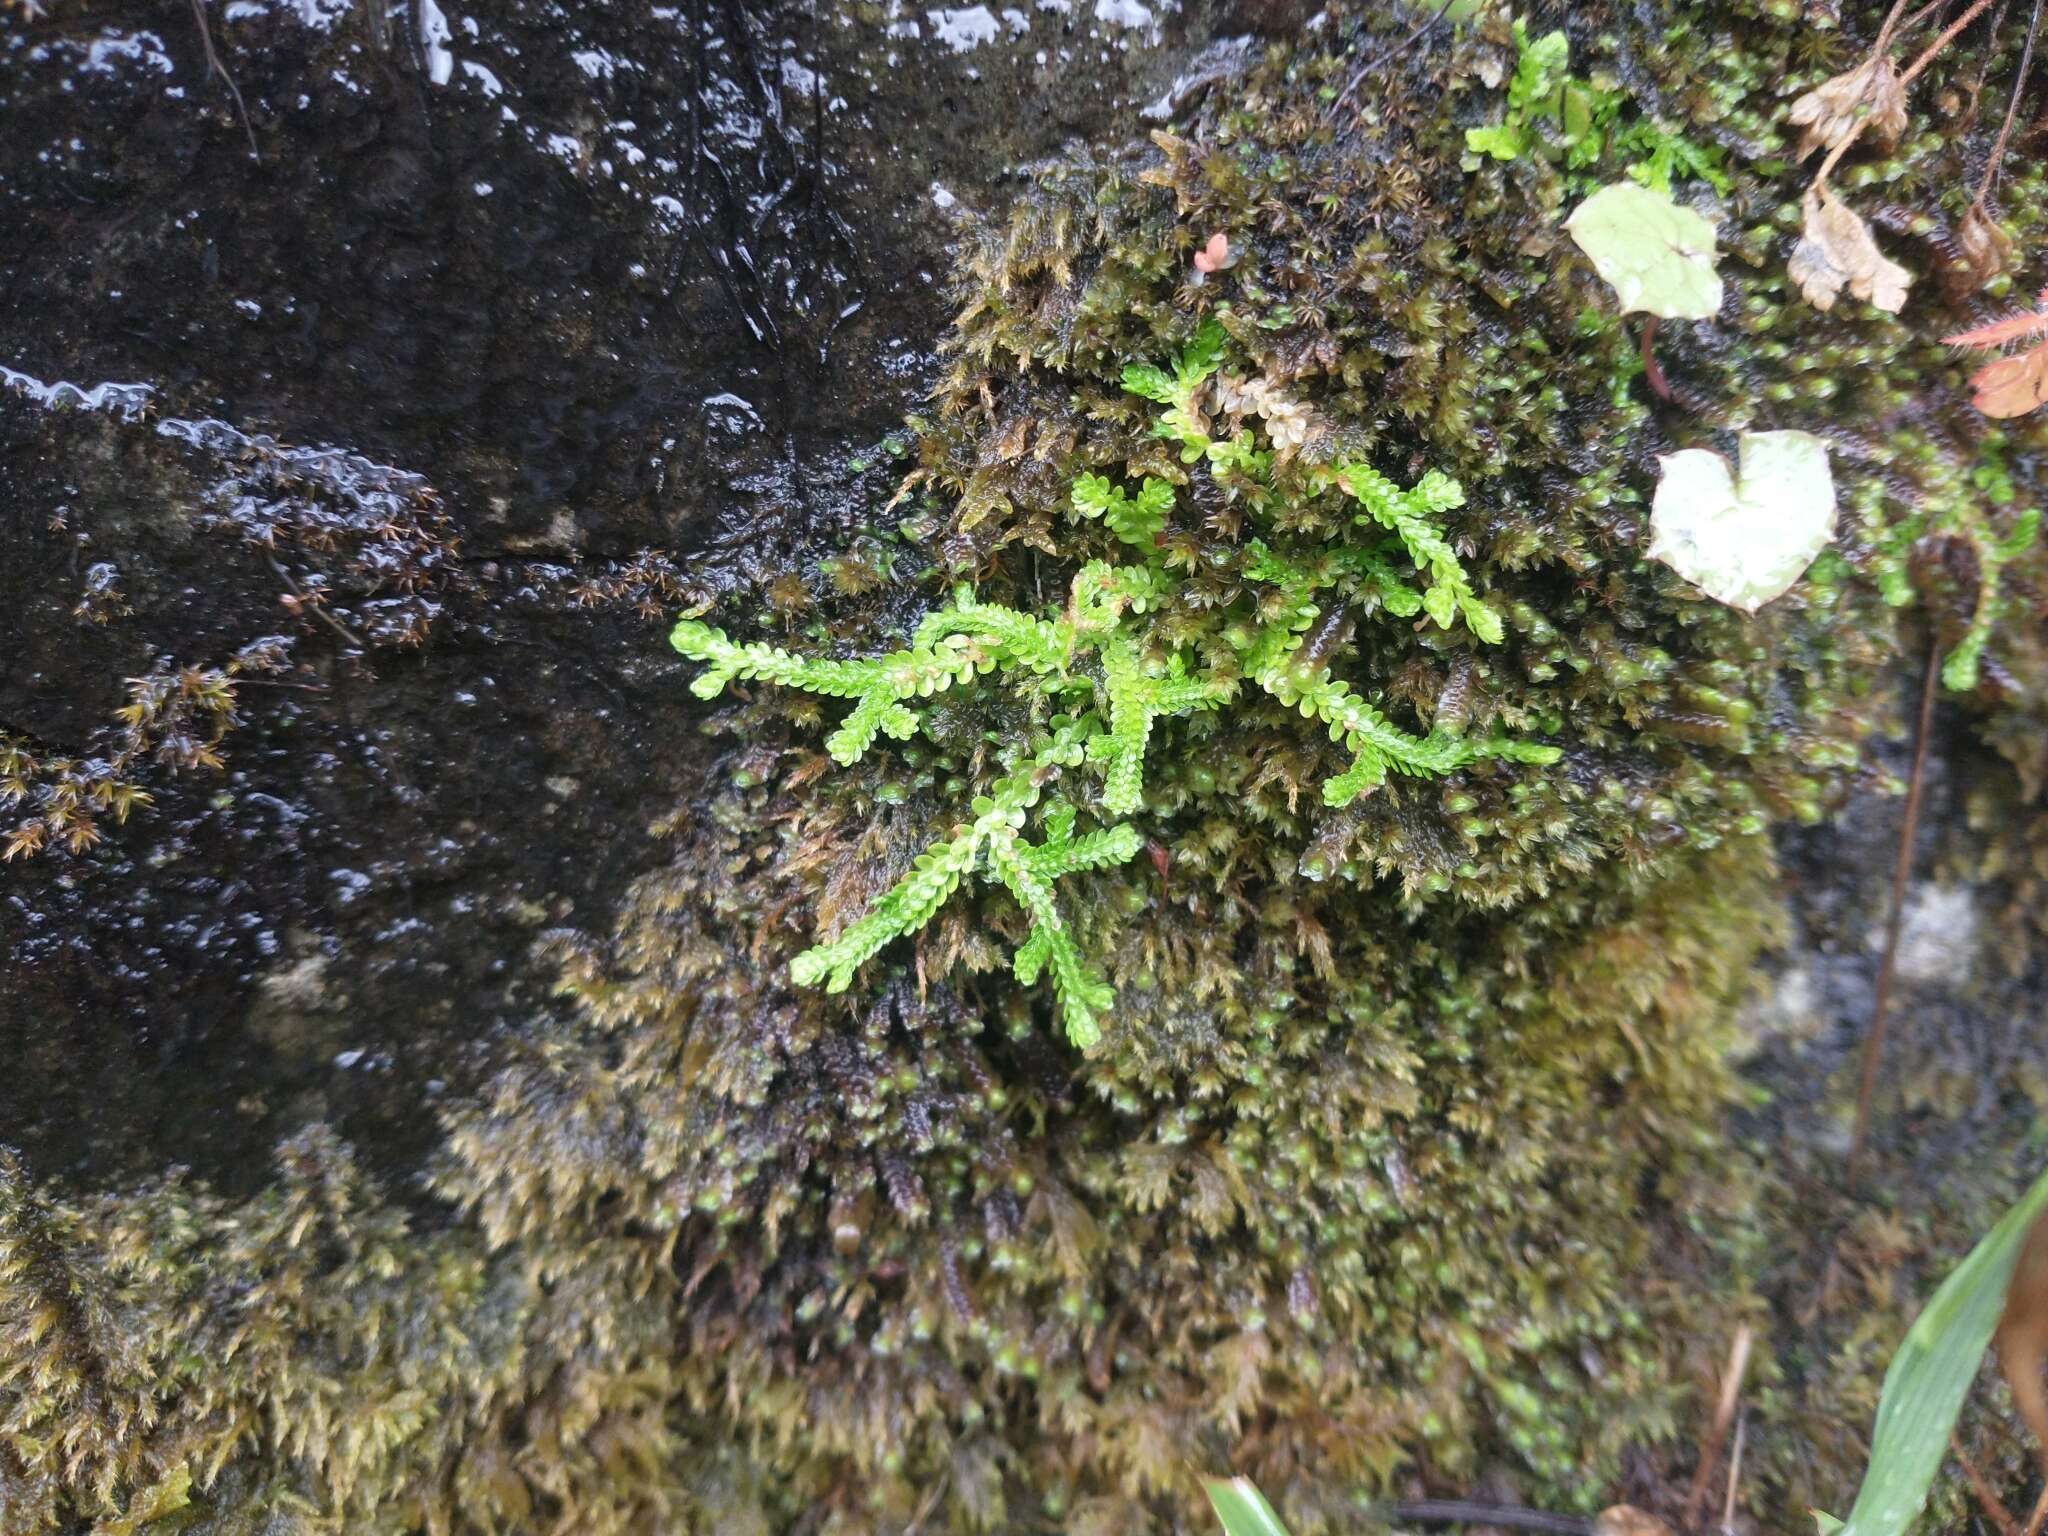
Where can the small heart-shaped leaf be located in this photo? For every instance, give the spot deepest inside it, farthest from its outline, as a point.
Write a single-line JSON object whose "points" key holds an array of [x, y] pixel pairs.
{"points": [[1658, 256], [1745, 539]]}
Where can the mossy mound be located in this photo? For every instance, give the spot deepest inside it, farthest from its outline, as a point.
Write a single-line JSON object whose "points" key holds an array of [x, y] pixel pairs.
{"points": [[1400, 1158]]}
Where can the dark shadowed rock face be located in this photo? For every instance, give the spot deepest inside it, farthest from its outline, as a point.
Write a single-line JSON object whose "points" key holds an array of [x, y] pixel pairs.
{"points": [[568, 284]]}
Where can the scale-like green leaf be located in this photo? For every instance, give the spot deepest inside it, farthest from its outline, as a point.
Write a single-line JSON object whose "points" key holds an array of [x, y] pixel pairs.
{"points": [[1153, 383], [1137, 520], [1134, 673]]}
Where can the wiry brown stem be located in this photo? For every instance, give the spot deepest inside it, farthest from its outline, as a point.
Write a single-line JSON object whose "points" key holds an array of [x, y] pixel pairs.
{"points": [[1948, 35], [1734, 1478], [2012, 111], [1891, 21], [1913, 71], [215, 67], [1922, 14], [1358, 76], [1902, 869], [1724, 1415], [1988, 1501]]}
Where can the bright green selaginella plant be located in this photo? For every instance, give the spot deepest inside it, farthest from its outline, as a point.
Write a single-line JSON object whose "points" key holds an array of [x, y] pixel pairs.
{"points": [[1107, 686]]}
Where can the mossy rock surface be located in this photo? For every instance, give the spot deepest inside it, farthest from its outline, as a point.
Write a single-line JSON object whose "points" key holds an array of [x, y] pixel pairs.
{"points": [[1404, 1159]]}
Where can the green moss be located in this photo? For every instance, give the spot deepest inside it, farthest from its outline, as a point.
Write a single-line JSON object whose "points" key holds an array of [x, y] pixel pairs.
{"points": [[1096, 676], [1581, 122], [1402, 1154]]}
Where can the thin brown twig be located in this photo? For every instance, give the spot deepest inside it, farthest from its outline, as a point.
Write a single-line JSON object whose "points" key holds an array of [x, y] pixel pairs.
{"points": [[1891, 21], [1993, 1506], [1392, 53], [1968, 122], [309, 604], [1948, 35], [1912, 73], [1893, 27], [1734, 1477], [926, 1505], [215, 67], [2012, 111], [1724, 1416], [1922, 14], [1902, 870]]}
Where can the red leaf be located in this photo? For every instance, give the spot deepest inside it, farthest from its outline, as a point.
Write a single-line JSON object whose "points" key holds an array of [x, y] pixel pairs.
{"points": [[2012, 386], [2025, 326]]}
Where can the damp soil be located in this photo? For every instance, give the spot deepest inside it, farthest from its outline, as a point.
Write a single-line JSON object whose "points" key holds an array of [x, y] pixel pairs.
{"points": [[402, 348]]}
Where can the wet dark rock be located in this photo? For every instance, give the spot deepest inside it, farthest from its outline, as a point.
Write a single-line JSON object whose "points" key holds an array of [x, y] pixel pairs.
{"points": [[623, 279]]}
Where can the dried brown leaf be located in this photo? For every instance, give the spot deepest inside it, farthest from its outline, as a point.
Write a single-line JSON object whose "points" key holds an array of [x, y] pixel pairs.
{"points": [[1983, 250], [2010, 386], [1830, 111], [1837, 249]]}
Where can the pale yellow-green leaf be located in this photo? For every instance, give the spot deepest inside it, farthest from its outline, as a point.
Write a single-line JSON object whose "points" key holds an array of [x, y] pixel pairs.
{"points": [[1658, 256], [1744, 539]]}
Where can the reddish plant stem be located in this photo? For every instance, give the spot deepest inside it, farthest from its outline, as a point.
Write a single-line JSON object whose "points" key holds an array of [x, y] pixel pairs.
{"points": [[1902, 869], [1988, 1501], [1652, 374], [1891, 21], [1948, 35]]}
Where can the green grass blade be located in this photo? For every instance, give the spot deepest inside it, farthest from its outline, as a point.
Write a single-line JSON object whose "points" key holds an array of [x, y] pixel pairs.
{"points": [[1242, 1508], [1931, 1374]]}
